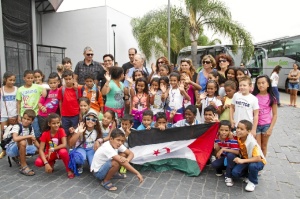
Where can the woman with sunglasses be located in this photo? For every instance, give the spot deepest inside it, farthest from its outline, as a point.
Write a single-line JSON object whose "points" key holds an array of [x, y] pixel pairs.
{"points": [[186, 64], [108, 62], [223, 62], [155, 67], [208, 65], [87, 139]]}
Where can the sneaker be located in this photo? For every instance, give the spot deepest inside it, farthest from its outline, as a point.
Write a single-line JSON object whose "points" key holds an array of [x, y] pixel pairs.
{"points": [[228, 182], [123, 170], [80, 170], [260, 172], [219, 174], [250, 186], [245, 180]]}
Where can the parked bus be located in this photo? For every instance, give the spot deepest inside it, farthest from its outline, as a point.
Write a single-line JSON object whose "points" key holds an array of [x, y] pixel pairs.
{"points": [[212, 50], [268, 54]]}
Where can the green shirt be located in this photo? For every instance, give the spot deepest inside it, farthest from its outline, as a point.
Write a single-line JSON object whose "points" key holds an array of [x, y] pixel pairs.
{"points": [[114, 99], [29, 97]]}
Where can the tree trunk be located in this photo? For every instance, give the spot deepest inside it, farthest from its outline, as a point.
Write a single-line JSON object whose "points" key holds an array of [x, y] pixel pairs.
{"points": [[194, 53]]}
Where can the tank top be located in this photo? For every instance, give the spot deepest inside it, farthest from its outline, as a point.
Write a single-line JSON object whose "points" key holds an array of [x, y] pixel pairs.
{"points": [[8, 99], [226, 114]]}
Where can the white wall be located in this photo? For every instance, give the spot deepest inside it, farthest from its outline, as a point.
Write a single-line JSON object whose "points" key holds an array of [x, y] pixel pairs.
{"points": [[75, 30], [89, 27]]}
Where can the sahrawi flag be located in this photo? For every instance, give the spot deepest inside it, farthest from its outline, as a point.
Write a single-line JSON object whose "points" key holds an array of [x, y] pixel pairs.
{"points": [[184, 148]]}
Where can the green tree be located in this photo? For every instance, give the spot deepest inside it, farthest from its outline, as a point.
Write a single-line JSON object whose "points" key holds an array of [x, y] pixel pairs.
{"points": [[214, 15], [151, 32]]}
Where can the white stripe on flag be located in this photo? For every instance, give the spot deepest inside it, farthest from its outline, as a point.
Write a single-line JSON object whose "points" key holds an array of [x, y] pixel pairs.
{"points": [[154, 152]]}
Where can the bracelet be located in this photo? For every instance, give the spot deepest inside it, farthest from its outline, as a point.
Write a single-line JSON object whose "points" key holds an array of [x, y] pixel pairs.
{"points": [[46, 163]]}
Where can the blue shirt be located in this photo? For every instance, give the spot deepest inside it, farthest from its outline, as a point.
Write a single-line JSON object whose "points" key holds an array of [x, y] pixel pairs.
{"points": [[142, 127]]}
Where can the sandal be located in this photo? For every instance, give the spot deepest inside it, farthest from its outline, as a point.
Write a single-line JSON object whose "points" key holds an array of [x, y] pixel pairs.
{"points": [[119, 176], [2, 154], [71, 175], [109, 186], [27, 171]]}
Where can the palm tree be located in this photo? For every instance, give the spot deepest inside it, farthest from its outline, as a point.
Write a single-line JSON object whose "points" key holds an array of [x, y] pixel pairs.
{"points": [[214, 15], [151, 33]]}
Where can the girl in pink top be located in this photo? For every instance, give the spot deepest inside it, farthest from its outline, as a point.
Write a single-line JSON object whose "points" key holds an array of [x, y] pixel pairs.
{"points": [[139, 101], [267, 110], [190, 87]]}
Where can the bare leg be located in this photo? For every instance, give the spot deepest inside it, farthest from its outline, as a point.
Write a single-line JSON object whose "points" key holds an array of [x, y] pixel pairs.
{"points": [[264, 144], [115, 166], [22, 151], [259, 139]]}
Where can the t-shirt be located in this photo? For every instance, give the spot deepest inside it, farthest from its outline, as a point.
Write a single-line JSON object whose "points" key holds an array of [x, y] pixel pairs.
{"points": [[126, 67], [275, 78], [90, 138], [114, 99], [142, 127], [206, 102], [265, 110], [70, 105], [29, 97], [25, 131], [158, 105], [105, 131], [130, 72], [96, 104], [244, 106], [104, 153], [226, 113], [51, 103], [227, 143], [52, 141], [9, 103], [175, 99]]}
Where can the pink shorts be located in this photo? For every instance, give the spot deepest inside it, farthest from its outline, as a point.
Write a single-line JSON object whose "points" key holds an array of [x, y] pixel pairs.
{"points": [[177, 117]]}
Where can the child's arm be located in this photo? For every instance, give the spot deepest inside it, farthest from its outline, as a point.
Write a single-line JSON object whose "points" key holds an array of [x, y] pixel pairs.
{"points": [[62, 145], [274, 118], [18, 138], [19, 110], [48, 168], [100, 101], [76, 136], [249, 160], [147, 102], [255, 121], [105, 89], [125, 162], [183, 92], [225, 106], [229, 150], [232, 108]]}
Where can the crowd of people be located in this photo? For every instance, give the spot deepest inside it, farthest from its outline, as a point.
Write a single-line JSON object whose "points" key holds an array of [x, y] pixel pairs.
{"points": [[88, 114]]}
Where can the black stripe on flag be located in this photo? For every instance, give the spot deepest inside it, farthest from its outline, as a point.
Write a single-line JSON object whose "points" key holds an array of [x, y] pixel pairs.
{"points": [[156, 136]]}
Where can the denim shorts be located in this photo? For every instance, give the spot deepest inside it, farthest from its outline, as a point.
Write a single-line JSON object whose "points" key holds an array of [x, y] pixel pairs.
{"points": [[102, 172], [3, 119], [294, 86], [13, 150], [262, 129]]}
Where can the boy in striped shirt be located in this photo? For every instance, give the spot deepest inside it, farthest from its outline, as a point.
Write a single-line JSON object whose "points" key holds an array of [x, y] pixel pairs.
{"points": [[226, 148]]}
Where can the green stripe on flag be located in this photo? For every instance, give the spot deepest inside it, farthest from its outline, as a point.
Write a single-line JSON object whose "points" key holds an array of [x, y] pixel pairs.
{"points": [[189, 167]]}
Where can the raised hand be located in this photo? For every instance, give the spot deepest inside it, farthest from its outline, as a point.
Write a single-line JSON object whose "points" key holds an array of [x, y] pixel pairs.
{"points": [[203, 95], [181, 86], [172, 113], [129, 79], [107, 76], [81, 127], [152, 91], [153, 67], [187, 79], [163, 88]]}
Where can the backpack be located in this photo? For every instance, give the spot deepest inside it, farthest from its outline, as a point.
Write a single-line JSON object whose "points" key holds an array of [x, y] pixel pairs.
{"points": [[7, 139], [97, 93]]}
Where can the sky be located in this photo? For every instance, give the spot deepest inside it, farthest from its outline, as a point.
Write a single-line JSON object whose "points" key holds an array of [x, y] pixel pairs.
{"points": [[264, 19]]}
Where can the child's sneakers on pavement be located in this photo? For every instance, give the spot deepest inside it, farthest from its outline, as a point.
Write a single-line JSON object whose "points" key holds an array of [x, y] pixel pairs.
{"points": [[250, 186], [228, 182]]}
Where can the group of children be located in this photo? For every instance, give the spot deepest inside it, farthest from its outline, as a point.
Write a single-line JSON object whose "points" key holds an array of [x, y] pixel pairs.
{"points": [[170, 101]]}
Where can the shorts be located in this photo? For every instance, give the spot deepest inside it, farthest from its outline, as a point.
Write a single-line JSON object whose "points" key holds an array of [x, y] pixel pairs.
{"points": [[3, 119], [102, 172], [12, 150], [262, 129], [294, 86]]}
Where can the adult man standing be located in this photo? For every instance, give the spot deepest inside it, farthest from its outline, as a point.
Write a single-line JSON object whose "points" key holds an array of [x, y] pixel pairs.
{"points": [[128, 65], [88, 65]]}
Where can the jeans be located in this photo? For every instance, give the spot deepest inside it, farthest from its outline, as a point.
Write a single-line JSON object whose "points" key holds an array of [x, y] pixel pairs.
{"points": [[276, 93], [218, 164], [12, 149], [69, 121], [87, 153], [248, 169], [36, 127]]}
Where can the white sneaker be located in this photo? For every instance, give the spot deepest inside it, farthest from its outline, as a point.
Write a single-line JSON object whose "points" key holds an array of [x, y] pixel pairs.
{"points": [[228, 182], [260, 172], [212, 158], [245, 180], [250, 186]]}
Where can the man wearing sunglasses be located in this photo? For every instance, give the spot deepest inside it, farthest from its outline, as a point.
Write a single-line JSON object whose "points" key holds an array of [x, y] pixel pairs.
{"points": [[88, 65]]}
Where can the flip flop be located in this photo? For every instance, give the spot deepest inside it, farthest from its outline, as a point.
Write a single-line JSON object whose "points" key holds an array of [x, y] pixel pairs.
{"points": [[109, 186], [119, 176]]}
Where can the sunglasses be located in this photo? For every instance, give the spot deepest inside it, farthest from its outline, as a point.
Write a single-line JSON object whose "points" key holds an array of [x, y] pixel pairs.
{"points": [[160, 62], [206, 62], [222, 60], [91, 119], [90, 54]]}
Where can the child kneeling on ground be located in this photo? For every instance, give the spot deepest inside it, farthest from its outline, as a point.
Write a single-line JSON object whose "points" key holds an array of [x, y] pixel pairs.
{"points": [[23, 142], [252, 160], [108, 160]]}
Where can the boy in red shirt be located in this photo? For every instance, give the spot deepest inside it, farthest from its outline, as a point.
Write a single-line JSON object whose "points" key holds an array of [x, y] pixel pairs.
{"points": [[68, 96]]}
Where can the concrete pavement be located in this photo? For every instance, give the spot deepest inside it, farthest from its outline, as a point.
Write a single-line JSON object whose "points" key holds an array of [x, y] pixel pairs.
{"points": [[281, 177]]}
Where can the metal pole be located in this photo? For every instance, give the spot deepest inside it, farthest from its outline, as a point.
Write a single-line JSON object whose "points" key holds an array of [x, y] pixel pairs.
{"points": [[169, 31], [114, 47]]}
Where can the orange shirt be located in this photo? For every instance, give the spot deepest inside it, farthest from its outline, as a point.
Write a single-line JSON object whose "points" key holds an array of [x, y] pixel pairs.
{"points": [[243, 151], [96, 104]]}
